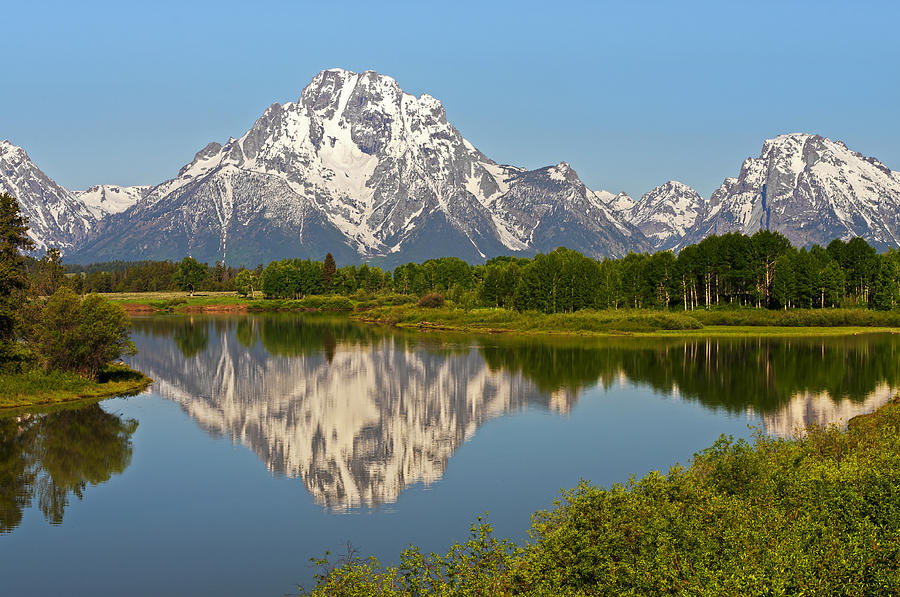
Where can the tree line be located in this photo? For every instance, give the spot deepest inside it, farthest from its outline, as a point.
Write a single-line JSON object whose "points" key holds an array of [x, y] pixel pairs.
{"points": [[762, 270]]}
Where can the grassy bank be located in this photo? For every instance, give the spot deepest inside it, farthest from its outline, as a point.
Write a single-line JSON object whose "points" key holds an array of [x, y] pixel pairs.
{"points": [[813, 516], [401, 310], [224, 302], [505, 320], [798, 318], [38, 388], [634, 321]]}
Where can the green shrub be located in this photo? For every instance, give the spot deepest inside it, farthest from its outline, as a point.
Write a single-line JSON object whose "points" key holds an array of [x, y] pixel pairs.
{"points": [[818, 515], [82, 335], [432, 300]]}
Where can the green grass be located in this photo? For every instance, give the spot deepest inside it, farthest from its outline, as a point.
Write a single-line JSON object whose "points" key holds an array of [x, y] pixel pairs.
{"points": [[176, 298], [504, 320], [182, 301], [639, 321], [400, 310], [798, 317], [817, 515], [37, 387]]}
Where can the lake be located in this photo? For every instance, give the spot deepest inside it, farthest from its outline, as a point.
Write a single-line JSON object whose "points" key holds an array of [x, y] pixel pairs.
{"points": [[266, 440]]}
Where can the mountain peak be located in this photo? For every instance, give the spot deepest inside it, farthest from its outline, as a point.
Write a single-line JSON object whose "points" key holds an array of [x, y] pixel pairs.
{"points": [[665, 213], [8, 149], [562, 172], [56, 218], [812, 190], [361, 167]]}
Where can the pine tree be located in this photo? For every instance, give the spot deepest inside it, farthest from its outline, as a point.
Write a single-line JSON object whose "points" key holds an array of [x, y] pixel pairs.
{"points": [[328, 270], [13, 280]]}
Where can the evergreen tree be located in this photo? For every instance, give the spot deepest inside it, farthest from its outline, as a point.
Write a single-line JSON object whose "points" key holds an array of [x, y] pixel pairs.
{"points": [[328, 270], [13, 279]]}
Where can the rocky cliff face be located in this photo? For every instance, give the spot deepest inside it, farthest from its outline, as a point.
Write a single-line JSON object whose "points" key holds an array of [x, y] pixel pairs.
{"points": [[56, 217], [665, 214], [812, 190]]}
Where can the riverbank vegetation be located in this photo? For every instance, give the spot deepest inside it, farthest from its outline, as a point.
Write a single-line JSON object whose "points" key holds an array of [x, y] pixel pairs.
{"points": [[816, 515], [758, 272], [37, 387], [59, 347], [505, 320]]}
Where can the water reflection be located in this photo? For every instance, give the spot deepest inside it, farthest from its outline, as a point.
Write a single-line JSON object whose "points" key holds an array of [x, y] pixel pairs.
{"points": [[359, 412], [57, 455]]}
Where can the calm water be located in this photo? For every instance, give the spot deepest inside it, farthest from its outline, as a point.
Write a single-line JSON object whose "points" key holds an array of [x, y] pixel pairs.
{"points": [[267, 440]]}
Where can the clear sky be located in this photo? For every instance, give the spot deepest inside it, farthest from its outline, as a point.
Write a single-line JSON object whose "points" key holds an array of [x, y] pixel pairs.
{"points": [[631, 94]]}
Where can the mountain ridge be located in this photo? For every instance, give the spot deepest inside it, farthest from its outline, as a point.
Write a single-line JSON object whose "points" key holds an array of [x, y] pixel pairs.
{"points": [[360, 168]]}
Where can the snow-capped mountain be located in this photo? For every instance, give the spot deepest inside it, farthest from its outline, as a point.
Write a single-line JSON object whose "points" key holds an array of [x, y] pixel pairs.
{"points": [[56, 217], [620, 203], [812, 190], [105, 199], [666, 213], [362, 169]]}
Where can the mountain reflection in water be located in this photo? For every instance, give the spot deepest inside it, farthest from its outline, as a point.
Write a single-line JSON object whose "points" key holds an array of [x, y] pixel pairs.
{"points": [[360, 412]]}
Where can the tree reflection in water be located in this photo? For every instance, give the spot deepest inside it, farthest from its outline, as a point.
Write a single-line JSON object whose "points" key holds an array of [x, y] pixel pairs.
{"points": [[362, 412], [53, 456]]}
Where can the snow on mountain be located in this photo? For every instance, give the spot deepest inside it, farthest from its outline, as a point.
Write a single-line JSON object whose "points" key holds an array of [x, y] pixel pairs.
{"points": [[620, 203], [56, 217], [666, 213], [812, 190], [552, 207], [105, 199], [362, 169]]}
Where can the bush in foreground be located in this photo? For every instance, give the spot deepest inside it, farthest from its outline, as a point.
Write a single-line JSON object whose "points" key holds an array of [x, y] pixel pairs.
{"points": [[813, 516], [82, 335]]}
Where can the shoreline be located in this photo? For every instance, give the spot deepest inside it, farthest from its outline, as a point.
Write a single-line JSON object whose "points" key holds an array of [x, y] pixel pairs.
{"points": [[704, 332], [390, 311], [124, 381]]}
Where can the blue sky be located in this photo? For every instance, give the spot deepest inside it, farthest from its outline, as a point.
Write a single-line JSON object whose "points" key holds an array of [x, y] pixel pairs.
{"points": [[632, 94]]}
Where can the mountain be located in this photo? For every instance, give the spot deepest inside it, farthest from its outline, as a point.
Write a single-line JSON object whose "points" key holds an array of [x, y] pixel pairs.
{"points": [[812, 190], [620, 203], [666, 213], [361, 169], [56, 217], [364, 170], [105, 199]]}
